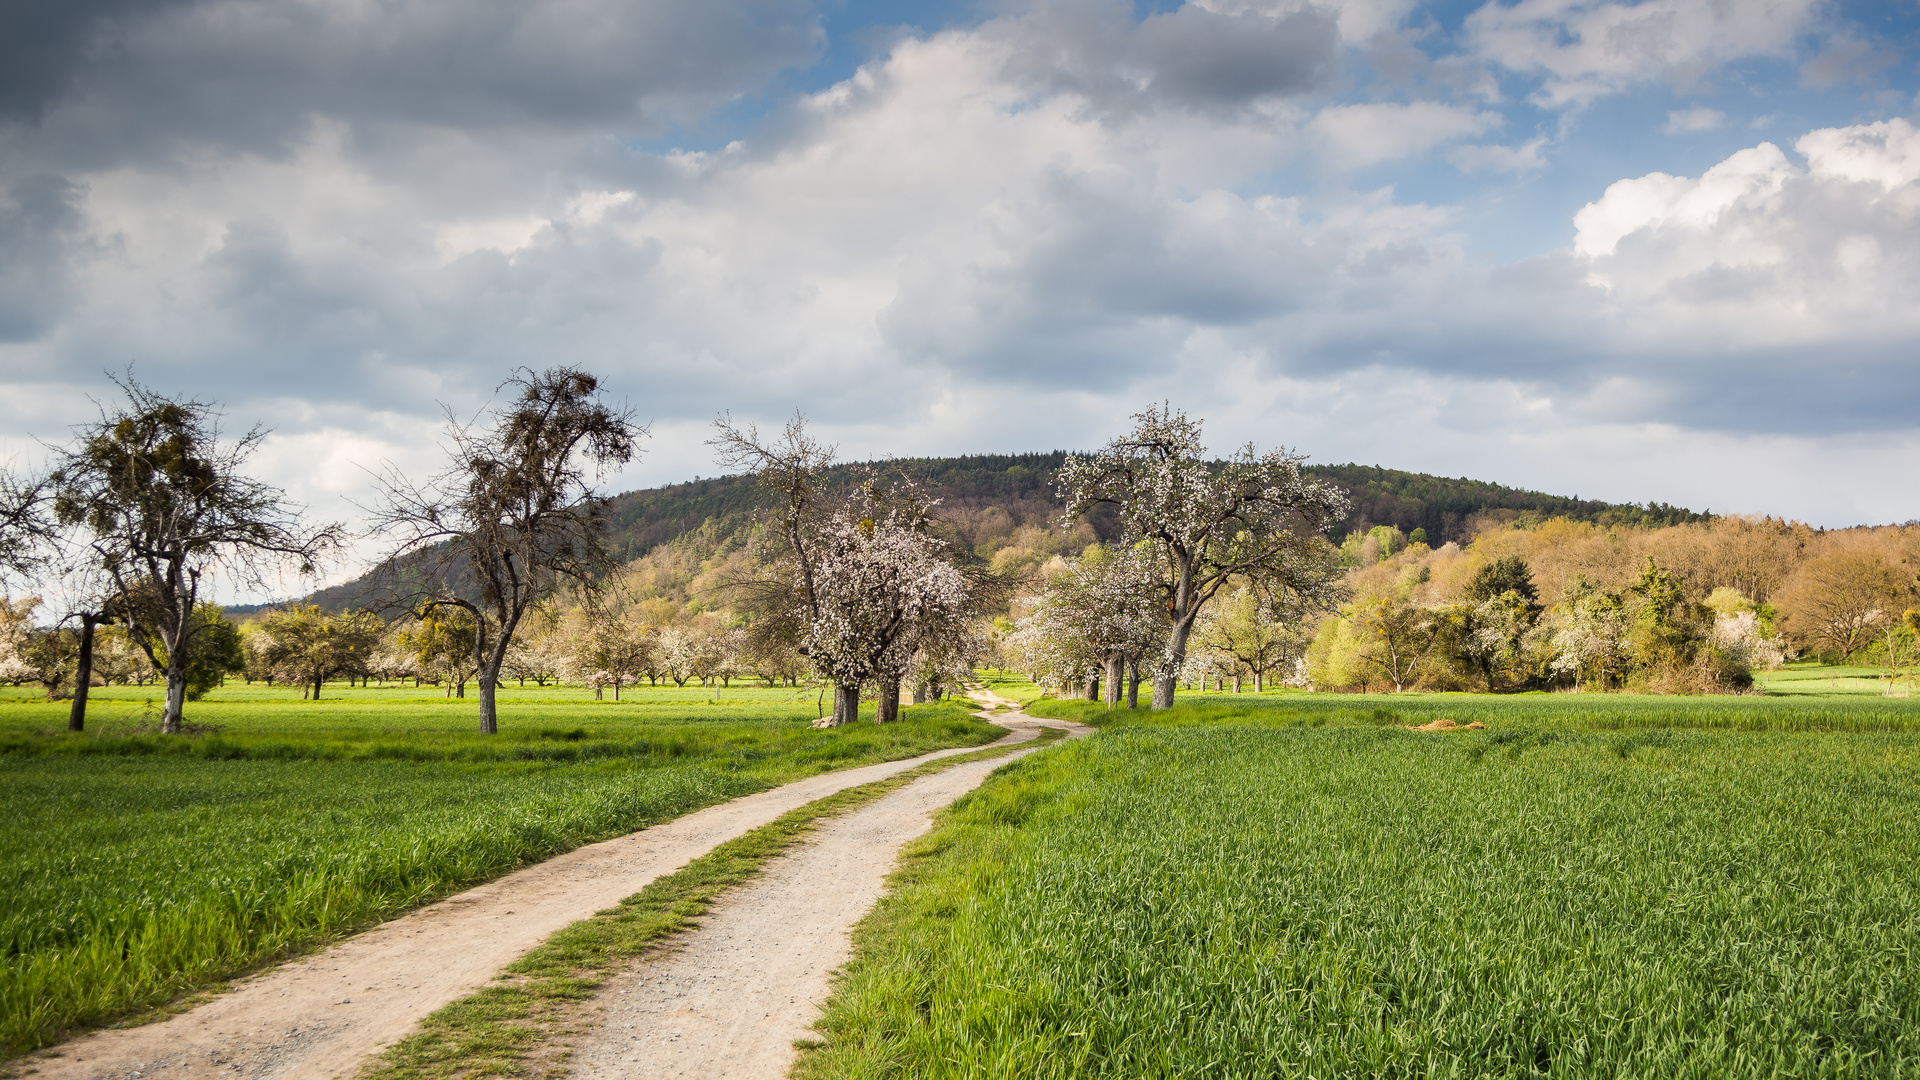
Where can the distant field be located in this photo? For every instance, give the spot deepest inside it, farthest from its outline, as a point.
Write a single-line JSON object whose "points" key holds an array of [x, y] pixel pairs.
{"points": [[1809, 678], [1816, 699], [137, 865], [1009, 684], [1270, 897]]}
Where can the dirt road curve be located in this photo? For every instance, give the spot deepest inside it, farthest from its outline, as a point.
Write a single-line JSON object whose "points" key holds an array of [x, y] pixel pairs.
{"points": [[320, 1016], [752, 980]]}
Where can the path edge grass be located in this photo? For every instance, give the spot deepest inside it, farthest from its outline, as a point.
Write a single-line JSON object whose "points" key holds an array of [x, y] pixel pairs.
{"points": [[544, 996]]}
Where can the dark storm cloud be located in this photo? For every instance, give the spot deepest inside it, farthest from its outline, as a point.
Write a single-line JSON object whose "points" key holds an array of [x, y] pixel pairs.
{"points": [[39, 223], [44, 43], [242, 72], [1191, 58], [1202, 57]]}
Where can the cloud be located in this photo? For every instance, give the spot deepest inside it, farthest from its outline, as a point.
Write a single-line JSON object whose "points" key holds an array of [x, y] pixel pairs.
{"points": [[1474, 160], [1357, 135], [39, 225], [1762, 272], [1700, 118], [1586, 49], [1846, 59], [1029, 225], [1192, 58], [128, 78]]}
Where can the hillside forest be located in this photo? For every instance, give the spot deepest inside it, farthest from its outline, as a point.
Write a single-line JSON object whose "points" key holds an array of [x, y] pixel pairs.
{"points": [[1514, 605], [1412, 582]]}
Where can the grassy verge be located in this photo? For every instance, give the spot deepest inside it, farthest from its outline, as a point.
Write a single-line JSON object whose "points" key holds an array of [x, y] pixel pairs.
{"points": [[137, 868], [1604, 712], [1259, 900], [538, 1000]]}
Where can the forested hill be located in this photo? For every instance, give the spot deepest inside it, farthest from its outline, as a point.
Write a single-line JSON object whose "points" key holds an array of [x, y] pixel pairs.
{"points": [[999, 490], [1447, 508], [1022, 486]]}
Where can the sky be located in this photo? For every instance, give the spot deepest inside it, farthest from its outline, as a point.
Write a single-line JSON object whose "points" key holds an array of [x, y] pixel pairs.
{"points": [[1665, 250]]}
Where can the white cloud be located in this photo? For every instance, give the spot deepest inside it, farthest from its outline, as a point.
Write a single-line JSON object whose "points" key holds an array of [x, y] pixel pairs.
{"points": [[980, 241], [1474, 160], [1588, 48], [1352, 136], [1699, 118], [1763, 256]]}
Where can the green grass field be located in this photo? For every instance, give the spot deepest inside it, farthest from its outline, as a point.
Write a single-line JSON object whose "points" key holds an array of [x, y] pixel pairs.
{"points": [[1803, 710], [1271, 897], [137, 866]]}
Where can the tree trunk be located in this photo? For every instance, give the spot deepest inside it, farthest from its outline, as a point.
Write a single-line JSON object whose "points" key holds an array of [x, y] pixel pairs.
{"points": [[1093, 688], [1116, 670], [846, 706], [82, 674], [1163, 685], [319, 677], [489, 716], [616, 689], [1236, 682], [176, 695], [1259, 682], [887, 710], [1133, 690], [920, 693]]}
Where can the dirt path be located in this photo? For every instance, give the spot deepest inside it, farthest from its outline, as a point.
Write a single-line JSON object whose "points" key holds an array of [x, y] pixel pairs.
{"points": [[733, 999], [319, 1016]]}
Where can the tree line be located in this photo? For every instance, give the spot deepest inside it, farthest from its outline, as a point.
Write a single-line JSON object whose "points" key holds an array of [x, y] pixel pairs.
{"points": [[1163, 564]]}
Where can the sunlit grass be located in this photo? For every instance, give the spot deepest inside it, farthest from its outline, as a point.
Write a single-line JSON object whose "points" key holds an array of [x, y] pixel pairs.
{"points": [[138, 865], [1287, 900], [1731, 712]]}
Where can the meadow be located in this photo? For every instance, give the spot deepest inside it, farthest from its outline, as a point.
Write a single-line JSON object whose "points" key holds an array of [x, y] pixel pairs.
{"points": [[1297, 885], [1799, 698], [138, 866]]}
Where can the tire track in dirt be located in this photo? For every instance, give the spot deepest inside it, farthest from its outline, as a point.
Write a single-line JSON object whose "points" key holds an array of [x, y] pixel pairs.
{"points": [[320, 1016], [731, 999]]}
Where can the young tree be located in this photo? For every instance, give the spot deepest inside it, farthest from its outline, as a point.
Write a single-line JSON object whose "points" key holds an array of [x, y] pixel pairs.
{"points": [[1400, 632], [1253, 516], [1258, 630], [513, 517], [443, 641], [314, 645], [161, 504]]}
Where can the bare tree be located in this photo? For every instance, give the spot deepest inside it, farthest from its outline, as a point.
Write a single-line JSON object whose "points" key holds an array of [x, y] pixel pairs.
{"points": [[514, 515], [159, 503], [1252, 516], [784, 596], [1838, 601], [27, 528]]}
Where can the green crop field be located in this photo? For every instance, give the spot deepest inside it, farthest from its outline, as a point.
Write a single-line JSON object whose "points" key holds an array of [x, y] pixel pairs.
{"points": [[137, 866], [1794, 711], [1293, 894]]}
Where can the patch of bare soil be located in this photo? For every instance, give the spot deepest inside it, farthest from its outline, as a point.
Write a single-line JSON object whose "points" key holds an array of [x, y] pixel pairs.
{"points": [[733, 998], [319, 1016], [1445, 724]]}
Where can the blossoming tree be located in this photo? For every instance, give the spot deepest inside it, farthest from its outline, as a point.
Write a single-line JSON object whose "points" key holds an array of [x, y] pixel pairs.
{"points": [[1205, 523]]}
